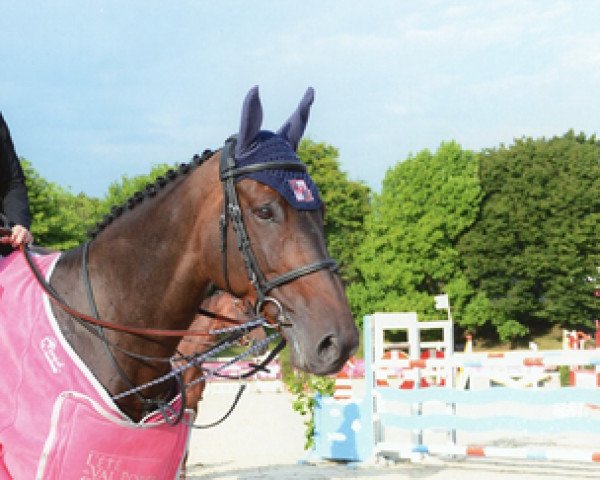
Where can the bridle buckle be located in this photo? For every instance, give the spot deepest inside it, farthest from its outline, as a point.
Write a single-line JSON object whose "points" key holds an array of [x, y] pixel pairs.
{"points": [[281, 319]]}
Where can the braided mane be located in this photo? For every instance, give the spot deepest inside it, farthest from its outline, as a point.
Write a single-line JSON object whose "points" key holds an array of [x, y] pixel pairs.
{"points": [[150, 190]]}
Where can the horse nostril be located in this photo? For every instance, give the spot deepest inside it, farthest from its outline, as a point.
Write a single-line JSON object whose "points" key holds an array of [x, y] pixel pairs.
{"points": [[328, 349]]}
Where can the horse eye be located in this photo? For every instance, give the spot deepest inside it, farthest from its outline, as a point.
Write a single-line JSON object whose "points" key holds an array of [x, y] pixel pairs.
{"points": [[264, 212]]}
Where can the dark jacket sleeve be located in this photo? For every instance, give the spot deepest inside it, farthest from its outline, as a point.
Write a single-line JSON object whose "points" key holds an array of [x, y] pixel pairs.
{"points": [[13, 192]]}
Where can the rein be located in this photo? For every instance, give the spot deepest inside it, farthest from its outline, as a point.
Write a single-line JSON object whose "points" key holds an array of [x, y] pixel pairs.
{"points": [[202, 357], [255, 368], [56, 298], [166, 410]]}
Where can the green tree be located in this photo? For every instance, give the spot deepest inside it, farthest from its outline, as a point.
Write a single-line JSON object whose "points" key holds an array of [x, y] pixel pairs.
{"points": [[534, 250], [119, 191], [60, 219], [409, 255], [347, 204]]}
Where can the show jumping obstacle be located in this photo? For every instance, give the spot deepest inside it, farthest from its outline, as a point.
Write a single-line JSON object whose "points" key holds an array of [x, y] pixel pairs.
{"points": [[397, 422]]}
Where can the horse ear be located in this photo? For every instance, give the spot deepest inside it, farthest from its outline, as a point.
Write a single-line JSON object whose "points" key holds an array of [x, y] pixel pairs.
{"points": [[293, 129], [252, 115]]}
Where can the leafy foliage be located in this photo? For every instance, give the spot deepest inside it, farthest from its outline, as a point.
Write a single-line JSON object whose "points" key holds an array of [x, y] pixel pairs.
{"points": [[534, 250], [305, 386], [347, 204], [60, 219], [427, 202], [120, 191]]}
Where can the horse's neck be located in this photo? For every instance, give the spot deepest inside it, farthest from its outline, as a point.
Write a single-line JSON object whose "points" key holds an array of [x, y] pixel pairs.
{"points": [[146, 269]]}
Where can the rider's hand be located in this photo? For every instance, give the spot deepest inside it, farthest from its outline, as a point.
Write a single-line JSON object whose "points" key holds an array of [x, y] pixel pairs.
{"points": [[19, 236]]}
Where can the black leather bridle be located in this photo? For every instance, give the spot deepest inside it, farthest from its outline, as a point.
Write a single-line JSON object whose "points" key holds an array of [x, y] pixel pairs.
{"points": [[232, 212]]}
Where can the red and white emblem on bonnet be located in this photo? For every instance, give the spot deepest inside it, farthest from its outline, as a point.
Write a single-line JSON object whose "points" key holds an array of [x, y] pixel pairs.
{"points": [[301, 190]]}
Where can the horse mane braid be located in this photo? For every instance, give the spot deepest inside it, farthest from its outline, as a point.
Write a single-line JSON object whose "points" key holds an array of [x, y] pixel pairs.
{"points": [[150, 190]]}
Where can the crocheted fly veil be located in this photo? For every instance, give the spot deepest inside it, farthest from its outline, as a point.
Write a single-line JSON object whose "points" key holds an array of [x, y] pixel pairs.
{"points": [[256, 146]]}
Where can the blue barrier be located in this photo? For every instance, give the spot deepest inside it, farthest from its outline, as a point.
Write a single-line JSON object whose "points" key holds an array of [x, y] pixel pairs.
{"points": [[355, 430], [343, 430]]}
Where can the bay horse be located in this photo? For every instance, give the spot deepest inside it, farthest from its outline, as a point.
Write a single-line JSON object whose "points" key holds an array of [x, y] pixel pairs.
{"points": [[247, 219]]}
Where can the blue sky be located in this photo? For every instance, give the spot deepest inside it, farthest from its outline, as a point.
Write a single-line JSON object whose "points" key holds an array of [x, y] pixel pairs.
{"points": [[93, 90]]}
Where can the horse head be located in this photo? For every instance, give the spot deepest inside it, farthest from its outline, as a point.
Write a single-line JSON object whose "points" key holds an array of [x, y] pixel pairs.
{"points": [[274, 211]]}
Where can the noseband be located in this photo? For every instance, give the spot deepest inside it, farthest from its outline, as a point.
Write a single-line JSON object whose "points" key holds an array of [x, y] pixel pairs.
{"points": [[232, 212]]}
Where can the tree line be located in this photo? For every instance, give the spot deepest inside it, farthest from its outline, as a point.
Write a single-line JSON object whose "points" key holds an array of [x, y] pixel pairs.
{"points": [[510, 233]]}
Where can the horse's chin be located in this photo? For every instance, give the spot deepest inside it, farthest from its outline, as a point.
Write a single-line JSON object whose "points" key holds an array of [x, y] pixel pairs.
{"points": [[297, 357]]}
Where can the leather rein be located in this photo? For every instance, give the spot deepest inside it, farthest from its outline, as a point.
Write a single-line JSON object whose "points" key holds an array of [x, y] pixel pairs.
{"points": [[157, 332]]}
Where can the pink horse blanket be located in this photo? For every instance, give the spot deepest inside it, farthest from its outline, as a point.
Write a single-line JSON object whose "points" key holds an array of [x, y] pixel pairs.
{"points": [[56, 420]]}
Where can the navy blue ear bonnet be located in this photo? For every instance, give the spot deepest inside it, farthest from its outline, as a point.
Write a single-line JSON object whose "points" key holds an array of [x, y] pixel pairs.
{"points": [[255, 146], [295, 186]]}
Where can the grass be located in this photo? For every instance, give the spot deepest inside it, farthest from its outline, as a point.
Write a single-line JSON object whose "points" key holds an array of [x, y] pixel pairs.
{"points": [[550, 340]]}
